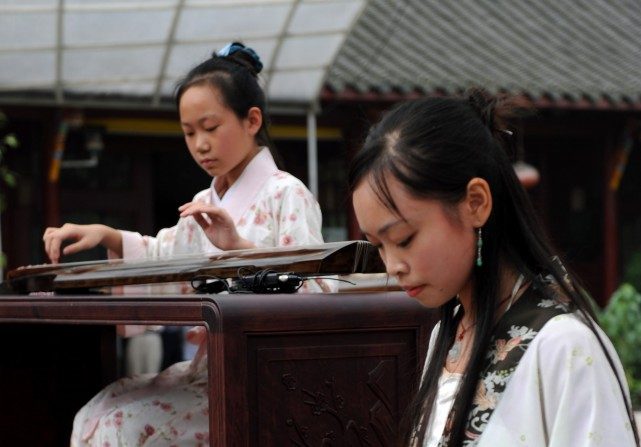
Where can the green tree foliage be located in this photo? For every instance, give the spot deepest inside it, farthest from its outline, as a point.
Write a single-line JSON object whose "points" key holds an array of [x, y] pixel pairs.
{"points": [[621, 320], [632, 272]]}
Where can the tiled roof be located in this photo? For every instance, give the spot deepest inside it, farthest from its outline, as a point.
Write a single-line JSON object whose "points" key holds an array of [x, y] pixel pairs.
{"points": [[559, 51]]}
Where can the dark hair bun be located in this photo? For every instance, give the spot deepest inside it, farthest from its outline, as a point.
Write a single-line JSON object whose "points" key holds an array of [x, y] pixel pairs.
{"points": [[483, 104], [497, 111], [244, 56]]}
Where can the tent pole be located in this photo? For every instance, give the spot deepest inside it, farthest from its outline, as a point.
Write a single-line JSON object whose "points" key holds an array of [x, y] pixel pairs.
{"points": [[312, 152]]}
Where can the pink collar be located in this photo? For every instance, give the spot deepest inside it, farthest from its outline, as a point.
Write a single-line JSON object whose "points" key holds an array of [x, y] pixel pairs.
{"points": [[242, 194]]}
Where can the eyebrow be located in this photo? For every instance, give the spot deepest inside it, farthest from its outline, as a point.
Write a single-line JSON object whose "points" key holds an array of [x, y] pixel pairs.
{"points": [[385, 227], [204, 118], [209, 116]]}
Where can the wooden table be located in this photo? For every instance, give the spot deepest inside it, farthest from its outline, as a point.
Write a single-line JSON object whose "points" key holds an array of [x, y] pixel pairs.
{"points": [[283, 369]]}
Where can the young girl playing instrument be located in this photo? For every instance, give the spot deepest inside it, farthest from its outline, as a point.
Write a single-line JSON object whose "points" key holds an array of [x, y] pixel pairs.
{"points": [[250, 203]]}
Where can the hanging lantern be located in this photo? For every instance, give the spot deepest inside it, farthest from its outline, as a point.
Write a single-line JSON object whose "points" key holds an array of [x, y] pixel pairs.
{"points": [[527, 174]]}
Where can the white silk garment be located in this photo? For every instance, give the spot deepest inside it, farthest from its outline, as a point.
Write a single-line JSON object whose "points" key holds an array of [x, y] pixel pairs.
{"points": [[562, 393], [271, 208]]}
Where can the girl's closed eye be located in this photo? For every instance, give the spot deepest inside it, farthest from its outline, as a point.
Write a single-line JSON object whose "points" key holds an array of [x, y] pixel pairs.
{"points": [[406, 242]]}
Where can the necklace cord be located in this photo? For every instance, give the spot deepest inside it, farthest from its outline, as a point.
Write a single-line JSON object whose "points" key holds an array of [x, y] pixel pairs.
{"points": [[455, 351]]}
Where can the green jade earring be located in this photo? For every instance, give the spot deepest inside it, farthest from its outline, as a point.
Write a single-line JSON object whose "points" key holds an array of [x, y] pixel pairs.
{"points": [[479, 245]]}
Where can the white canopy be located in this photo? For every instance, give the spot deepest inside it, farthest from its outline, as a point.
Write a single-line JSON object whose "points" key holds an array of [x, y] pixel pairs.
{"points": [[133, 52]]}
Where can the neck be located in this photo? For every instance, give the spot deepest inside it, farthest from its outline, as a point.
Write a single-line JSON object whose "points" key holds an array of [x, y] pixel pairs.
{"points": [[221, 185], [223, 182], [508, 277]]}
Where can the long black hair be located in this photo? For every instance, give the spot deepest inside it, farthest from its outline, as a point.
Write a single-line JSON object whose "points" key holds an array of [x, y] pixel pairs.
{"points": [[434, 147], [235, 76]]}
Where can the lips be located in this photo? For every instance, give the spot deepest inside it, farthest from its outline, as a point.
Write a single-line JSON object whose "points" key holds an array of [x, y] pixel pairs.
{"points": [[413, 290], [207, 163]]}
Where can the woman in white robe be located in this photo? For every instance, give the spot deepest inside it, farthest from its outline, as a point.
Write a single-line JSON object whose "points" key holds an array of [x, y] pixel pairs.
{"points": [[517, 358], [250, 203], [559, 394]]}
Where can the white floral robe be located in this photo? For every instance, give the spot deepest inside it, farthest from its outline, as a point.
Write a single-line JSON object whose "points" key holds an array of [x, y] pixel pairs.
{"points": [[563, 392], [271, 208]]}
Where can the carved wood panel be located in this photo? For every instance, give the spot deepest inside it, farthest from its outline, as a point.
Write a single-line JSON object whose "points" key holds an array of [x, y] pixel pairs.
{"points": [[338, 389]]}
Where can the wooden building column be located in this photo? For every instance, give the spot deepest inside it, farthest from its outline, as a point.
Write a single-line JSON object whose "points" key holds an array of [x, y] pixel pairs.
{"points": [[610, 223], [52, 154]]}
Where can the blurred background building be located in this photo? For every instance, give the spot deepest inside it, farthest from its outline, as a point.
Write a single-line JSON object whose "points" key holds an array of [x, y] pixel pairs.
{"points": [[87, 88]]}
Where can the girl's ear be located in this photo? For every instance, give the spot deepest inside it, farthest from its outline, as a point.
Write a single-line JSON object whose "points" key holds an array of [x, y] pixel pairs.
{"points": [[254, 120], [477, 204]]}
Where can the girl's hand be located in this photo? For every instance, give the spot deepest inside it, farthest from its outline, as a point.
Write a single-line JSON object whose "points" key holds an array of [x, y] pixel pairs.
{"points": [[217, 225], [85, 237], [196, 335]]}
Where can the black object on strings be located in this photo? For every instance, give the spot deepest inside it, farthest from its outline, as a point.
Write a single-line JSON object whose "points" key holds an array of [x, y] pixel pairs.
{"points": [[262, 281], [267, 281], [206, 284]]}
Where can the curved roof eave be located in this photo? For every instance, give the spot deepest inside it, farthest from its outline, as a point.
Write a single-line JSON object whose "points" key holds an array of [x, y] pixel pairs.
{"points": [[130, 54]]}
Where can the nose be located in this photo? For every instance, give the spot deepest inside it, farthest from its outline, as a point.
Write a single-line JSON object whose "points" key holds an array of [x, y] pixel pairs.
{"points": [[202, 143], [394, 265]]}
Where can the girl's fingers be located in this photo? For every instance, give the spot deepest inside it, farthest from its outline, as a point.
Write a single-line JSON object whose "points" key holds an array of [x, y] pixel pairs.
{"points": [[49, 253], [76, 247], [54, 250], [184, 206], [47, 238], [194, 208], [201, 220], [54, 237], [55, 241], [189, 208], [47, 242]]}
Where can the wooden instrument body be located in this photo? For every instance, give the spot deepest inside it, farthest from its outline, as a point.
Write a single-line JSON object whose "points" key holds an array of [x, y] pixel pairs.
{"points": [[284, 369]]}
